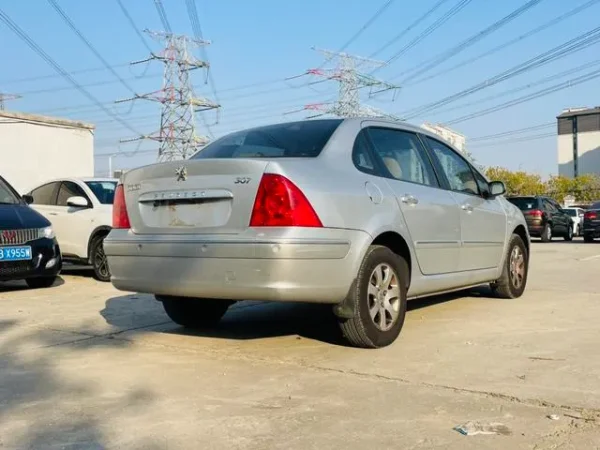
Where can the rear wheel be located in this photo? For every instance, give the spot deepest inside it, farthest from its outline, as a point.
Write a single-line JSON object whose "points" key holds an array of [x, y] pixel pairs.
{"points": [[99, 260], [547, 233], [588, 238], [569, 235], [514, 273], [379, 300], [195, 312], [40, 282]]}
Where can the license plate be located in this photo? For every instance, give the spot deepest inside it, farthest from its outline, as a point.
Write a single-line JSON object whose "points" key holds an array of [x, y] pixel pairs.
{"points": [[15, 253]]}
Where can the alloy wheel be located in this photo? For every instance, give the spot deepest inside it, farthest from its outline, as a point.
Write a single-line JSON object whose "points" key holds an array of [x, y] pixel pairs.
{"points": [[101, 262], [384, 297], [517, 267]]}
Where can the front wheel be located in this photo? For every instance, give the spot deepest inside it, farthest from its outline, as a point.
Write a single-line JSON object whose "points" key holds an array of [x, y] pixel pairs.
{"points": [[379, 300], [569, 235], [513, 280], [99, 260], [40, 282], [195, 313]]}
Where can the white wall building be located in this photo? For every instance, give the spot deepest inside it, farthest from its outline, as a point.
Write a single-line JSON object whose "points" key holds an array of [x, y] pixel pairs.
{"points": [[579, 142], [35, 148], [456, 139]]}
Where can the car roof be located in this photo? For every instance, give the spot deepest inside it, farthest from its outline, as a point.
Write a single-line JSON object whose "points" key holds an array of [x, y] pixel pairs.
{"points": [[78, 179]]}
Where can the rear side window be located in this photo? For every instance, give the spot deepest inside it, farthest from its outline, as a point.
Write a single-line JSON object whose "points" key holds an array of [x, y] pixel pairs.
{"points": [[524, 203], [304, 139], [69, 189], [45, 195], [571, 212]]}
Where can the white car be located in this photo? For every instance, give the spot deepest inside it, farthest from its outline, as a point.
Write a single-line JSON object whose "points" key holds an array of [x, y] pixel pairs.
{"points": [[80, 210], [577, 219]]}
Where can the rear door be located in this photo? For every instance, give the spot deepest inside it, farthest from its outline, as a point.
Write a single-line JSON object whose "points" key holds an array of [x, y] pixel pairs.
{"points": [[431, 214], [483, 220], [75, 224]]}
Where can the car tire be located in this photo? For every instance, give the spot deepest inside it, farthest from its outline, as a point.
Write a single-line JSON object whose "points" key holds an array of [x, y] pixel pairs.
{"points": [[547, 233], [588, 238], [569, 235], [378, 298], [513, 280], [98, 259], [41, 282], [195, 313]]}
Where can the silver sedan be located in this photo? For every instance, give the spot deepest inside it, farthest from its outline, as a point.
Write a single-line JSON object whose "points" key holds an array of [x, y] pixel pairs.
{"points": [[363, 214]]}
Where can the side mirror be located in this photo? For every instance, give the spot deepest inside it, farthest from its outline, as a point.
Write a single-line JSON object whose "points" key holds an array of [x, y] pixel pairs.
{"points": [[27, 199], [77, 202], [497, 188]]}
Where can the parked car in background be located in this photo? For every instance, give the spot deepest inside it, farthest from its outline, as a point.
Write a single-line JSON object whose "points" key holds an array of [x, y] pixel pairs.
{"points": [[576, 215], [591, 222], [545, 217], [358, 213], [28, 248], [80, 210]]}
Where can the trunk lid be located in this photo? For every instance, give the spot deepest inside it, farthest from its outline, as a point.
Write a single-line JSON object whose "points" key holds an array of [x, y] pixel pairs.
{"points": [[212, 196]]}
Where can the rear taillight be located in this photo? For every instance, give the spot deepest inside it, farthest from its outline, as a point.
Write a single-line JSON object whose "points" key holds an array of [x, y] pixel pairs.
{"points": [[120, 218], [535, 213], [280, 203], [590, 215]]}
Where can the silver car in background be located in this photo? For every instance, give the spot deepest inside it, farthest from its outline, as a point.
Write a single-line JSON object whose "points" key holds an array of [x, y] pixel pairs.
{"points": [[359, 213]]}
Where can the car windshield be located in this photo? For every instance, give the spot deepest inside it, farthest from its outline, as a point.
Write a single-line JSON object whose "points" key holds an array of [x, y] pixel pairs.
{"points": [[524, 203], [571, 212], [595, 205], [103, 190], [7, 195], [303, 139]]}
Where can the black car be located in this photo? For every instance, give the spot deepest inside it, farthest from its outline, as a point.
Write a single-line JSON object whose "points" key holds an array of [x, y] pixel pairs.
{"points": [[591, 223], [28, 248], [545, 217]]}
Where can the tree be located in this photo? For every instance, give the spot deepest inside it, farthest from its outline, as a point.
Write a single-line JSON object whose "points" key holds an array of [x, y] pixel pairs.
{"points": [[517, 183]]}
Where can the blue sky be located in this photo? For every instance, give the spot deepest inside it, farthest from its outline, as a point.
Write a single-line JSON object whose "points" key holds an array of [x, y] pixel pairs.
{"points": [[262, 42]]}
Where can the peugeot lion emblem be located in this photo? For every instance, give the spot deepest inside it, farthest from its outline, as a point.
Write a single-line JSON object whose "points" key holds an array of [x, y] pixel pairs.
{"points": [[181, 173]]}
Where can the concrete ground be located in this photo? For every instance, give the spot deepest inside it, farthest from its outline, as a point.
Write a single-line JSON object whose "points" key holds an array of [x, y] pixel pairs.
{"points": [[85, 366]]}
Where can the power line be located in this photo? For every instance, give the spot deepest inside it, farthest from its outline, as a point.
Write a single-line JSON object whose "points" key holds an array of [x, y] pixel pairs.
{"points": [[407, 29], [88, 44], [518, 39], [444, 56], [529, 85], [513, 132], [541, 93], [163, 15], [74, 72], [574, 45], [133, 25], [367, 24], [36, 48], [429, 30]]}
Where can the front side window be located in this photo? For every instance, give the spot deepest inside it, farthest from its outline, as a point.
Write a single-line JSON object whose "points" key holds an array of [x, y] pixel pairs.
{"points": [[103, 190], [67, 190], [457, 170], [45, 195], [7, 196], [402, 155], [304, 139], [548, 206]]}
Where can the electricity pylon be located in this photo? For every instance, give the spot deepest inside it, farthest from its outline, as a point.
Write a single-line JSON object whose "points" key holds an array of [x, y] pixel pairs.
{"points": [[351, 81], [177, 135], [4, 97]]}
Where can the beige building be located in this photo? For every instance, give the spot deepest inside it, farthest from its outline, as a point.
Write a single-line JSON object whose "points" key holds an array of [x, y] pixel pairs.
{"points": [[35, 148], [579, 142]]}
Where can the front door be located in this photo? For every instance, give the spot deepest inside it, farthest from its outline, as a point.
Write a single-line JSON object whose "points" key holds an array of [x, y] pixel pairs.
{"points": [[483, 220], [431, 214], [75, 223]]}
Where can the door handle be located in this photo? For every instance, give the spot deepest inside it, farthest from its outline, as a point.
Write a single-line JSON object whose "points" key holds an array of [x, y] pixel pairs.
{"points": [[53, 214], [467, 207], [409, 199]]}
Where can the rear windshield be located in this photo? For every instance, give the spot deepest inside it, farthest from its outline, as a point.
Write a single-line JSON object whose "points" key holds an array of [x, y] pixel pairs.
{"points": [[303, 139], [7, 195], [571, 212], [595, 205], [524, 203]]}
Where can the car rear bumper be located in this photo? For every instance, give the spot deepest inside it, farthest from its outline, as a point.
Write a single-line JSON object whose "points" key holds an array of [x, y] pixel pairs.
{"points": [[593, 231], [319, 269], [46, 262]]}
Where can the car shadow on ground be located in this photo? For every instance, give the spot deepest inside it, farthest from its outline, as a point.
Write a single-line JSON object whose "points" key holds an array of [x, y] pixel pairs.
{"points": [[261, 320], [21, 285]]}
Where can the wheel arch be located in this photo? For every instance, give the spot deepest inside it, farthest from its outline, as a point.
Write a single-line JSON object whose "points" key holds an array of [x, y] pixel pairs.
{"points": [[396, 243], [101, 230], [522, 233]]}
